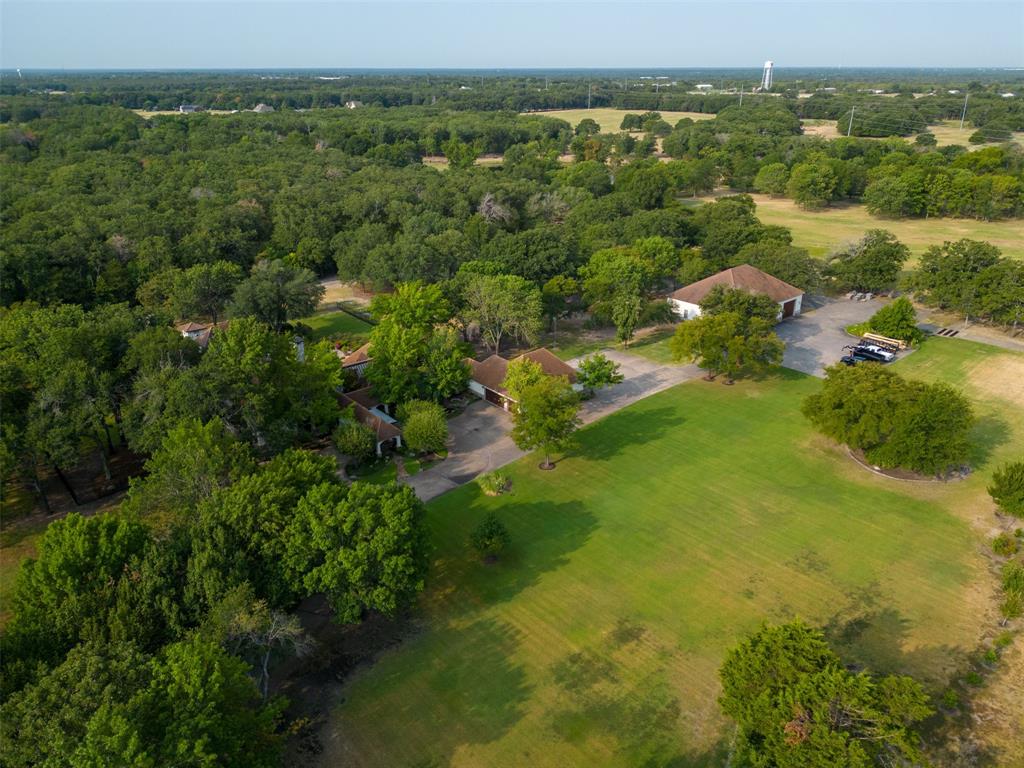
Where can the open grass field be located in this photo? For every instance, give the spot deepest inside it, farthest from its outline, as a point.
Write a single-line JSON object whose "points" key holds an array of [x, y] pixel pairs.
{"points": [[949, 132], [821, 232], [677, 526], [338, 323], [610, 119]]}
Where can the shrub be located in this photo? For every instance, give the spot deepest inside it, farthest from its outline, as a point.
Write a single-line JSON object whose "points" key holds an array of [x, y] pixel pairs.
{"points": [[1013, 591], [896, 422], [897, 320], [1007, 488], [991, 656], [973, 678], [1004, 545], [950, 699], [424, 426], [355, 440], [490, 537], [1004, 639], [494, 483]]}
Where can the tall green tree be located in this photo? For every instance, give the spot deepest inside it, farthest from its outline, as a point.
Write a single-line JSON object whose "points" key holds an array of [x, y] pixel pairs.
{"points": [[547, 417], [413, 354], [192, 462], [795, 704], [204, 290], [872, 264], [728, 343], [504, 306], [275, 293], [365, 545]]}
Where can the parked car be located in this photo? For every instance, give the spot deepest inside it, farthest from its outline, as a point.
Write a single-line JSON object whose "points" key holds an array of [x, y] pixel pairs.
{"points": [[854, 358], [873, 350]]}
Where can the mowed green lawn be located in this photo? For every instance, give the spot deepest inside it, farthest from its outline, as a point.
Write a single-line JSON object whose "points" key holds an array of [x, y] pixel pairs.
{"points": [[821, 232], [337, 323], [679, 525]]}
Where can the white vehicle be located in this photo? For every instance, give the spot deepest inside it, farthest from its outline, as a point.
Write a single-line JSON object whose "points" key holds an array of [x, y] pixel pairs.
{"points": [[877, 351]]}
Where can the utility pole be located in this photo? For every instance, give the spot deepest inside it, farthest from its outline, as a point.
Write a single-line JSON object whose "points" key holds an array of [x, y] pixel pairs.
{"points": [[964, 113], [849, 127], [588, 95], [741, 95]]}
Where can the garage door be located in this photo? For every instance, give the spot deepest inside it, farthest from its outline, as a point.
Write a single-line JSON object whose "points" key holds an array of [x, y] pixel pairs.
{"points": [[788, 308]]}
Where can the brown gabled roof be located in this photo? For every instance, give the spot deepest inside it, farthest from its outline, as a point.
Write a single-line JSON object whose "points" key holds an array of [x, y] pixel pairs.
{"points": [[492, 371], [744, 278], [550, 362], [381, 428], [363, 396], [361, 355]]}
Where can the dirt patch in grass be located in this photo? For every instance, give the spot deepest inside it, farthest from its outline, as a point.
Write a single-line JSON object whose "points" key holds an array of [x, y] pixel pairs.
{"points": [[1001, 377]]}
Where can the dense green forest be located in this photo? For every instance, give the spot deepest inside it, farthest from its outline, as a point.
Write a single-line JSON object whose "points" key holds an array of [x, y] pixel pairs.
{"points": [[134, 635]]}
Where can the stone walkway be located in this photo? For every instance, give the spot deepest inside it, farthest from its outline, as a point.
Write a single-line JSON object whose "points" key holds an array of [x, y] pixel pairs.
{"points": [[480, 436]]}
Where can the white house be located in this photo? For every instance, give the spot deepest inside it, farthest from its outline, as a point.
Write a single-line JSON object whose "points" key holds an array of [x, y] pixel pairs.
{"points": [[686, 301], [262, 108], [486, 378], [704, 86]]}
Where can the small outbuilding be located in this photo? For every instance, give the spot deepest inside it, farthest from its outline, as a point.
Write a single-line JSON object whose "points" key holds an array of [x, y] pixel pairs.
{"points": [[486, 378], [686, 301], [366, 409], [263, 108], [356, 362]]}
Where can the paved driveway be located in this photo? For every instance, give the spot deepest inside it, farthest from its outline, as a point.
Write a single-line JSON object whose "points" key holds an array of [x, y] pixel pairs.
{"points": [[816, 338], [479, 437]]}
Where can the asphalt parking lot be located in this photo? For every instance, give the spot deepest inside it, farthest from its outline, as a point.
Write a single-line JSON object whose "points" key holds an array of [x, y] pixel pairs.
{"points": [[816, 338]]}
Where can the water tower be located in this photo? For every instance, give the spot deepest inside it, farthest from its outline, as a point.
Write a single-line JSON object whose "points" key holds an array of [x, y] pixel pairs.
{"points": [[766, 78]]}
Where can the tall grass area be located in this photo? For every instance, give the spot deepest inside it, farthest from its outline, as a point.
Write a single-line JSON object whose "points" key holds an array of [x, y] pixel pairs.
{"points": [[678, 525]]}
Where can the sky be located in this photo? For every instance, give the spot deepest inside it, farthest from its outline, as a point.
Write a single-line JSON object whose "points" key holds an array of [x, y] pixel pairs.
{"points": [[258, 34]]}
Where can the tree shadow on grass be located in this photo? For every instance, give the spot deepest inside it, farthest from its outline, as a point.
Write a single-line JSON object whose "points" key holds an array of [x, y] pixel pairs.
{"points": [[609, 437], [471, 685], [989, 432], [874, 638], [869, 633], [543, 535], [623, 696]]}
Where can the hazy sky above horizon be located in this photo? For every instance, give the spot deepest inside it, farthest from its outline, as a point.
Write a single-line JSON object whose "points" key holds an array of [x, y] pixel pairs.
{"points": [[126, 34]]}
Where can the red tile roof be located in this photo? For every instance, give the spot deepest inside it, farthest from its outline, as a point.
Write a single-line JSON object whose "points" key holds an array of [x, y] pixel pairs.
{"points": [[744, 278], [361, 355], [381, 428]]}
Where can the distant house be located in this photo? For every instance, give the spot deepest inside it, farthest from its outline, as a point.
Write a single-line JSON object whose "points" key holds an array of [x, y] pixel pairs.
{"points": [[1007, 95], [486, 378], [263, 108], [353, 104], [704, 86], [188, 109], [200, 333], [356, 361], [368, 412], [686, 301]]}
